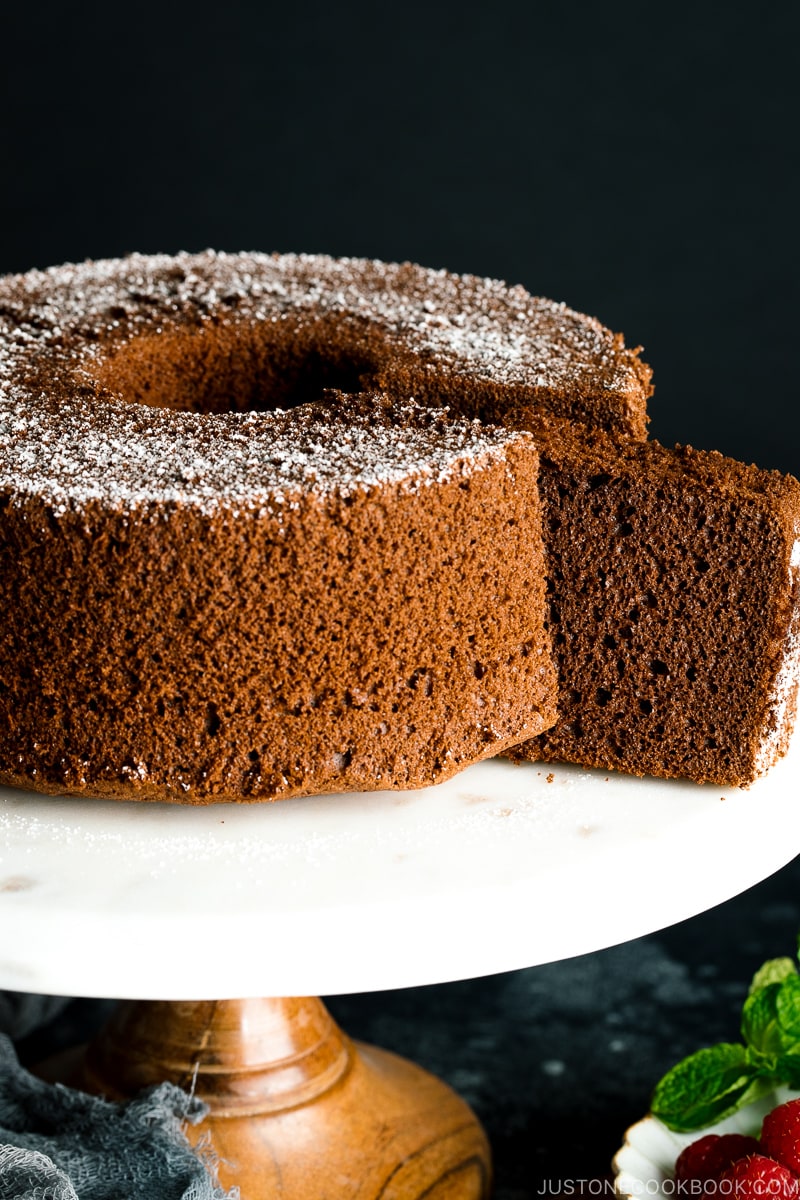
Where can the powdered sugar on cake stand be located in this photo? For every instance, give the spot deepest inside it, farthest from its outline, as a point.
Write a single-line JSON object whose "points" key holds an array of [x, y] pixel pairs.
{"points": [[499, 868]]}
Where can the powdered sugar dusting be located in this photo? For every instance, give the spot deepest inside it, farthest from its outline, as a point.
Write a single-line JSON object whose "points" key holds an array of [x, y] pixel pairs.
{"points": [[76, 443], [269, 459], [783, 697]]}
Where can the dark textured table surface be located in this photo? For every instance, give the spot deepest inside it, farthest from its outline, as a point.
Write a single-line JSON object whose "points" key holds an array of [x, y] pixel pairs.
{"points": [[559, 1059]]}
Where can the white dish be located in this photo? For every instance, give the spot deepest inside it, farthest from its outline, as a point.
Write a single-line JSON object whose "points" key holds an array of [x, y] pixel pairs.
{"points": [[645, 1163], [499, 868]]}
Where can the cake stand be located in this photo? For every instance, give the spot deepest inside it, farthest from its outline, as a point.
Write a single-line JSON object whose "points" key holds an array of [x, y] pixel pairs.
{"points": [[500, 868]]}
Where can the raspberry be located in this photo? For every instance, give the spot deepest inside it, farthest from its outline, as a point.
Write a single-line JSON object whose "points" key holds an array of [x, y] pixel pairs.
{"points": [[758, 1178], [709, 1156], [780, 1135]]}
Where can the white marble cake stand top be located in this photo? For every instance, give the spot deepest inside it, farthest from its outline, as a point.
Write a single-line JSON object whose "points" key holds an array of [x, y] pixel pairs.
{"points": [[501, 867]]}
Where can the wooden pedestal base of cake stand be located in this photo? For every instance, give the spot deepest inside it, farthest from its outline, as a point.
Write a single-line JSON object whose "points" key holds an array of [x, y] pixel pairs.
{"points": [[297, 1110]]}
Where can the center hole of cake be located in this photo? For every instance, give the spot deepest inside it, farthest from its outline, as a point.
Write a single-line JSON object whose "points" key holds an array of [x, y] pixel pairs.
{"points": [[216, 370]]}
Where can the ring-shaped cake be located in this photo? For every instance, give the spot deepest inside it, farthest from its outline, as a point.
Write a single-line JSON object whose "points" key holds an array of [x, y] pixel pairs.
{"points": [[240, 557]]}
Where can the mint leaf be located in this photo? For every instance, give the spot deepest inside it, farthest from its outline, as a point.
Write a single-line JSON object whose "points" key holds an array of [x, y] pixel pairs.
{"points": [[707, 1086], [771, 1017], [774, 970], [787, 1070], [761, 1027], [713, 1083], [788, 1009]]}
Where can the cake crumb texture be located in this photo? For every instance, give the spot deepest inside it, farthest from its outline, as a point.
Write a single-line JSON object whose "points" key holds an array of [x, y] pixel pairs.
{"points": [[674, 605]]}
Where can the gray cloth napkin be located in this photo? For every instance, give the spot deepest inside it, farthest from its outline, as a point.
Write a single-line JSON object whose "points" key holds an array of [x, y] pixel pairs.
{"points": [[61, 1144]]}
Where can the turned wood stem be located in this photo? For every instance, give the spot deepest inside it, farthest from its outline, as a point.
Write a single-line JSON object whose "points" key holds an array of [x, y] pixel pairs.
{"points": [[296, 1110], [239, 1056]]}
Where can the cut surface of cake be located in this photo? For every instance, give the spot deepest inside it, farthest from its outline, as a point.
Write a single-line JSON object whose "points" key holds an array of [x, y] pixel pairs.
{"points": [[674, 596]]}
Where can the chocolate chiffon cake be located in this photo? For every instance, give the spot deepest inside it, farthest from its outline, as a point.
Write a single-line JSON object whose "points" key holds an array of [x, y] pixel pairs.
{"points": [[273, 526], [674, 606], [370, 618], [222, 579]]}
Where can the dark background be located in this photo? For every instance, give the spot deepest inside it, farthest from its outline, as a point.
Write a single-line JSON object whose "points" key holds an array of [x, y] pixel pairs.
{"points": [[637, 161]]}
